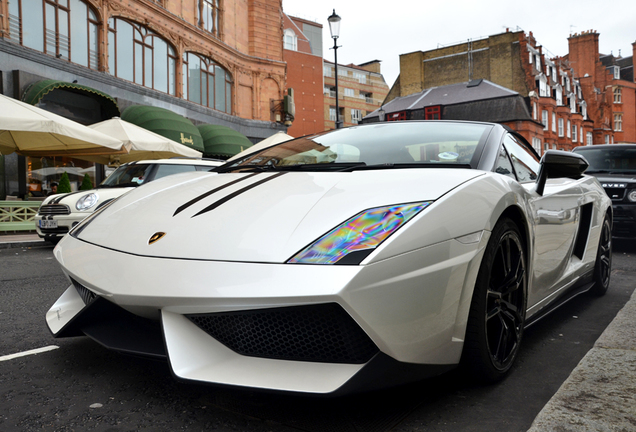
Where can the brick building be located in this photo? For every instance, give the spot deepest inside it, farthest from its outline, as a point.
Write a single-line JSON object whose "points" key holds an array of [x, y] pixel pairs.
{"points": [[216, 62], [303, 55], [608, 85], [361, 90], [560, 98]]}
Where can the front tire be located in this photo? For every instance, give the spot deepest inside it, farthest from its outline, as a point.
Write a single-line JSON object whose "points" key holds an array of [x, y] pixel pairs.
{"points": [[603, 266], [498, 309]]}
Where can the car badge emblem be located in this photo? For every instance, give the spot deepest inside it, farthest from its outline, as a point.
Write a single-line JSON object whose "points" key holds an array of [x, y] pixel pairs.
{"points": [[156, 237]]}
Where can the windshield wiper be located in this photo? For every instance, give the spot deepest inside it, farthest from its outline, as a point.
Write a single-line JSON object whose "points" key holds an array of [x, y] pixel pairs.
{"points": [[363, 166]]}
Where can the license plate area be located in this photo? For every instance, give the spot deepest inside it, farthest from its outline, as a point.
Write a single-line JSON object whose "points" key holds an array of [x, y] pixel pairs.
{"points": [[48, 224]]}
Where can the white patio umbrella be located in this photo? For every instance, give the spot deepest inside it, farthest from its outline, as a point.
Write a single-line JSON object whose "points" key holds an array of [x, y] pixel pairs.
{"points": [[141, 143], [32, 131], [277, 138]]}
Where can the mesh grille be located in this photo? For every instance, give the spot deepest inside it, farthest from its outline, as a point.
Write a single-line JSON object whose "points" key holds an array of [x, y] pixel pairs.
{"points": [[87, 295], [54, 209], [318, 333]]}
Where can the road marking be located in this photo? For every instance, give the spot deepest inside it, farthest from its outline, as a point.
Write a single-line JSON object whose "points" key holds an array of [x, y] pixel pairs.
{"points": [[30, 352]]}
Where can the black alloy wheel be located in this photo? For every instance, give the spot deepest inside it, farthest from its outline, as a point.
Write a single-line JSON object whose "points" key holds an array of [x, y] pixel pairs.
{"points": [[603, 266], [497, 313]]}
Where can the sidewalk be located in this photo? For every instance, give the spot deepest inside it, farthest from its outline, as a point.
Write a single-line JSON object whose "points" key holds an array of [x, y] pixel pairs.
{"points": [[21, 240], [599, 394]]}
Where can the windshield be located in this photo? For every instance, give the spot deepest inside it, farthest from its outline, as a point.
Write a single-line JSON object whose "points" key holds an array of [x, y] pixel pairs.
{"points": [[615, 160], [128, 175], [383, 145]]}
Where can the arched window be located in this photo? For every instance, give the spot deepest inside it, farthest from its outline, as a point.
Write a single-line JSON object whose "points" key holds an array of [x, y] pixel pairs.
{"points": [[208, 15], [206, 83], [291, 40], [138, 54], [66, 29]]}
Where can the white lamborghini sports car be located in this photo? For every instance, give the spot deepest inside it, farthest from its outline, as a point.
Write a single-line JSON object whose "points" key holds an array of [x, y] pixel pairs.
{"points": [[349, 260]]}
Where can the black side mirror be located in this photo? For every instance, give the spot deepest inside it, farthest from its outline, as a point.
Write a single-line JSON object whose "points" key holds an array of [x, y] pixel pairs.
{"points": [[558, 164]]}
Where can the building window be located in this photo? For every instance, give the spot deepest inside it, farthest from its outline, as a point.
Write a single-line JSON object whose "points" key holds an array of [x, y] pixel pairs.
{"points": [[368, 97], [332, 113], [534, 110], [361, 77], [554, 125], [432, 113], [349, 92], [560, 127], [617, 72], [618, 122], [356, 116], [66, 29], [588, 139], [568, 129], [618, 95], [206, 83], [291, 40], [543, 87], [209, 11], [559, 94], [327, 71], [536, 143], [137, 54], [544, 119], [343, 72], [574, 133]]}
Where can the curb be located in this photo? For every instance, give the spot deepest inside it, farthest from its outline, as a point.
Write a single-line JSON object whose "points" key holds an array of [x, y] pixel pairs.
{"points": [[25, 244]]}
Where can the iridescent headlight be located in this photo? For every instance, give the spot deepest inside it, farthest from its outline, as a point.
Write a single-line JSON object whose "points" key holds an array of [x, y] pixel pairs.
{"points": [[87, 201], [360, 234]]}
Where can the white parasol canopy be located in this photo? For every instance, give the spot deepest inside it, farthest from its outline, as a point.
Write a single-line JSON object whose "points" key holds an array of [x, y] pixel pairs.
{"points": [[141, 143], [32, 131]]}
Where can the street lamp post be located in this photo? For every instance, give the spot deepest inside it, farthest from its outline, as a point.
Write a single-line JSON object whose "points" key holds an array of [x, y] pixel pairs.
{"points": [[334, 28]]}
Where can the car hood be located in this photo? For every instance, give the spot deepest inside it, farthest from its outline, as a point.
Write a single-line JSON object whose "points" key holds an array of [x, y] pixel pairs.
{"points": [[71, 198], [615, 178], [255, 217]]}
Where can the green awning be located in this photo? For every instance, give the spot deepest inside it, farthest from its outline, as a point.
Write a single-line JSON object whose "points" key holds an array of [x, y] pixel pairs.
{"points": [[39, 89], [165, 123], [222, 142]]}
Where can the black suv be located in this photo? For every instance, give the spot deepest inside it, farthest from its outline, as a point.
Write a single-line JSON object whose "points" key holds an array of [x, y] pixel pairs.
{"points": [[615, 167]]}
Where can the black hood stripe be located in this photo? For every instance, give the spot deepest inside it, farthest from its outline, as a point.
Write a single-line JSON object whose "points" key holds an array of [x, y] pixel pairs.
{"points": [[237, 193], [207, 194], [61, 197]]}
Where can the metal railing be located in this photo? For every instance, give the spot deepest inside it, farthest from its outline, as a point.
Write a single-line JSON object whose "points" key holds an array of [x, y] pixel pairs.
{"points": [[18, 215]]}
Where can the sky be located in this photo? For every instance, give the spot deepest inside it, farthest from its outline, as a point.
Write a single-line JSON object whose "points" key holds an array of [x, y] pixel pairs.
{"points": [[374, 30]]}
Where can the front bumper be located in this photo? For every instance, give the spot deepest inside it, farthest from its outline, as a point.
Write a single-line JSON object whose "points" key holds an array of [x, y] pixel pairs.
{"points": [[624, 221], [64, 224], [412, 310]]}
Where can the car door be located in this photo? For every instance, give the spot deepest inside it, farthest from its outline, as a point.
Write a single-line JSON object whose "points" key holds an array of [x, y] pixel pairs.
{"points": [[555, 215]]}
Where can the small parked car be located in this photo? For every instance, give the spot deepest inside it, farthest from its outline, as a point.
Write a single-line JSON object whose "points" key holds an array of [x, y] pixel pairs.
{"points": [[615, 167], [61, 212]]}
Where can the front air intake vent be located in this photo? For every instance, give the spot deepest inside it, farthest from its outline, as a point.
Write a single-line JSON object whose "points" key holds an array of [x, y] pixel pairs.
{"points": [[87, 295], [316, 333]]}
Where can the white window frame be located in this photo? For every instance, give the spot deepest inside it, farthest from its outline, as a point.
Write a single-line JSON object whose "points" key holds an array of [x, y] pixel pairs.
{"points": [[568, 129], [618, 95], [356, 115], [589, 139], [554, 125], [544, 119], [617, 72], [559, 94], [290, 40], [327, 71], [560, 126], [349, 92], [574, 133], [618, 122], [536, 143], [332, 113], [607, 139]]}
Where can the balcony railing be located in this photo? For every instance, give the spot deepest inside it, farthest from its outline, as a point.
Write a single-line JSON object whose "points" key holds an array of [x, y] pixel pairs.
{"points": [[18, 215]]}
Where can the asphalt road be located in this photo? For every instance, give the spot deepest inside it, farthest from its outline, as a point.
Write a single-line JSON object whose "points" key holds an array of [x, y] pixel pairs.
{"points": [[81, 386]]}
